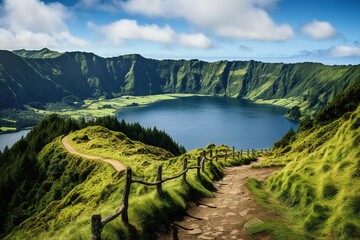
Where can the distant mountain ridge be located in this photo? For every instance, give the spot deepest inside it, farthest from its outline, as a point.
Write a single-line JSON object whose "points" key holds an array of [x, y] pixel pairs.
{"points": [[48, 76]]}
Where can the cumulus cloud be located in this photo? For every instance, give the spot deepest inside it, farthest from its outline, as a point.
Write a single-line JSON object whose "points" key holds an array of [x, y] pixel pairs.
{"points": [[345, 51], [34, 24], [117, 33], [197, 40], [319, 30], [245, 19]]}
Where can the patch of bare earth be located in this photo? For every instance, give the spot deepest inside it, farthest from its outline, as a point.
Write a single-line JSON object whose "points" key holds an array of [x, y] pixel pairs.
{"points": [[229, 213]]}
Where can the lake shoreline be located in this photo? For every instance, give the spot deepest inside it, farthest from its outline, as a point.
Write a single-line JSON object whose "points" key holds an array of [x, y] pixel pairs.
{"points": [[105, 107]]}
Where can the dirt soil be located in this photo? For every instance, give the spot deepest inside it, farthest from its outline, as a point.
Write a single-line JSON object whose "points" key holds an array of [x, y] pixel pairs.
{"points": [[119, 166], [229, 213]]}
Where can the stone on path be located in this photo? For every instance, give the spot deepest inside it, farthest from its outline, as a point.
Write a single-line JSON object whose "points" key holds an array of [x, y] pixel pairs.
{"points": [[220, 229], [205, 237], [230, 214], [195, 231]]}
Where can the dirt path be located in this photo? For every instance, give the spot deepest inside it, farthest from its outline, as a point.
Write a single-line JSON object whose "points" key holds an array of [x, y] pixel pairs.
{"points": [[115, 163], [229, 213]]}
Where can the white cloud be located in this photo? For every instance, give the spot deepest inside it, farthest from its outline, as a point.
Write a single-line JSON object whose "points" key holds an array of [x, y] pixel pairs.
{"points": [[319, 30], [198, 40], [245, 19], [345, 51], [126, 29], [118, 32], [34, 24]]}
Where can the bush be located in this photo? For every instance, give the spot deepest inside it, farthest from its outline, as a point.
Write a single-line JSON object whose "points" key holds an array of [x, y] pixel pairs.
{"points": [[329, 190]]}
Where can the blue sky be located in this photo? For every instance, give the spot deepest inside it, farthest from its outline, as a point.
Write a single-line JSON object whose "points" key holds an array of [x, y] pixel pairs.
{"points": [[326, 31]]}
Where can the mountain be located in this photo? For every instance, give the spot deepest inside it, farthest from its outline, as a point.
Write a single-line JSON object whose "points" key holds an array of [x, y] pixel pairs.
{"points": [[43, 53], [46, 76]]}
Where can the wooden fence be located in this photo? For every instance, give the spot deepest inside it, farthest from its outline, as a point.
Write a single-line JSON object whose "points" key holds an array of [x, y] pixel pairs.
{"points": [[97, 224]]}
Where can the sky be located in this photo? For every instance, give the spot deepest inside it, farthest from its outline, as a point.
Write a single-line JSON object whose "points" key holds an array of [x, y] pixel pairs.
{"points": [[326, 31]]}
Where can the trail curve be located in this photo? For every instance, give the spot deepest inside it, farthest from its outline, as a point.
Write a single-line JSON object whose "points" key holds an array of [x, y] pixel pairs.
{"points": [[119, 166]]}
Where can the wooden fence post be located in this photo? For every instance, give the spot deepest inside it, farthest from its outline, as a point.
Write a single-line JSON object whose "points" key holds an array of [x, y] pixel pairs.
{"points": [[225, 155], [248, 152], [211, 153], [203, 164], [96, 227], [159, 178], [185, 167], [216, 155], [233, 153], [241, 153], [198, 165], [204, 153], [125, 216]]}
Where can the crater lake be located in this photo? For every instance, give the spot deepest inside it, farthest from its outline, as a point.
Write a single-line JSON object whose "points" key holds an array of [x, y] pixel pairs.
{"points": [[197, 121]]}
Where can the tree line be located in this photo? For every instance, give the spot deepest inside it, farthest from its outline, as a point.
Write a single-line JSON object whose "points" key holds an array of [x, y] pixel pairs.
{"points": [[20, 172]]}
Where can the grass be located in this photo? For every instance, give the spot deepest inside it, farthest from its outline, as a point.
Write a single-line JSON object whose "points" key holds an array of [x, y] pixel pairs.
{"points": [[279, 222], [321, 179], [7, 129], [99, 188], [15, 119], [103, 107]]}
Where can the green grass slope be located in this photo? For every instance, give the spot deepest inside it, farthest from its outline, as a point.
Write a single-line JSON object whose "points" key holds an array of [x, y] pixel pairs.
{"points": [[75, 188], [321, 179], [22, 189]]}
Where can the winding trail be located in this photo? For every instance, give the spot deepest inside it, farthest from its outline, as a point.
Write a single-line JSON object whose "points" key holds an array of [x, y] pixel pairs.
{"points": [[119, 166], [229, 213]]}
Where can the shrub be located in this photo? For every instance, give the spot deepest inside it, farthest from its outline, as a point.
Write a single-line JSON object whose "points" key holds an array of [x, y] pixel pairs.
{"points": [[329, 190]]}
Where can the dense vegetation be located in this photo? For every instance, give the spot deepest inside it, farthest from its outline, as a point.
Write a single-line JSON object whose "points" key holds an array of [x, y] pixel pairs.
{"points": [[321, 180], [69, 189], [24, 182], [56, 77]]}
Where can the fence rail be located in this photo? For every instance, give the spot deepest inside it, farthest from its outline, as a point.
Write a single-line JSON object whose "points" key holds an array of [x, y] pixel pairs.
{"points": [[97, 224]]}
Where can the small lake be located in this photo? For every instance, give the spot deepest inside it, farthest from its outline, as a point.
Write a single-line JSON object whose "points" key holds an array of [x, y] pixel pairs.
{"points": [[8, 139], [195, 122]]}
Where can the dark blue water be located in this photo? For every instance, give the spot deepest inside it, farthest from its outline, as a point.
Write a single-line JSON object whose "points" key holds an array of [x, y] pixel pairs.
{"points": [[197, 121]]}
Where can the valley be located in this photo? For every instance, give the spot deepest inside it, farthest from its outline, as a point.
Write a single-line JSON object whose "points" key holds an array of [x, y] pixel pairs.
{"points": [[92, 85]]}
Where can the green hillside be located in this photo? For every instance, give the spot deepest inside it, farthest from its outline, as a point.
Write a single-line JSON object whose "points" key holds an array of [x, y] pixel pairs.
{"points": [[321, 179], [75, 188], [39, 77]]}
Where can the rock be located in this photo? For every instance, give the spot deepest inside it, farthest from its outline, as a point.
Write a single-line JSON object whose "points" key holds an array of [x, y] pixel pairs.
{"points": [[205, 237], [230, 214], [220, 229], [235, 232], [244, 213], [217, 234], [195, 231], [194, 226]]}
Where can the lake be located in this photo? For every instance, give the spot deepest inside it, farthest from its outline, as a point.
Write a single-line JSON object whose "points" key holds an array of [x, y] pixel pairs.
{"points": [[195, 122], [8, 139]]}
